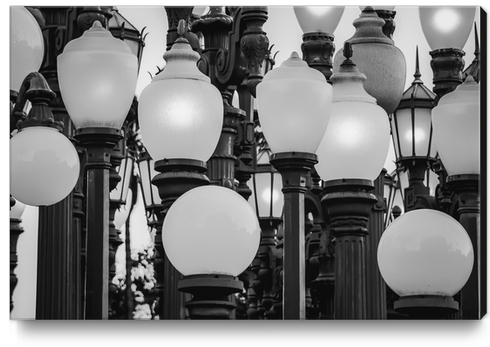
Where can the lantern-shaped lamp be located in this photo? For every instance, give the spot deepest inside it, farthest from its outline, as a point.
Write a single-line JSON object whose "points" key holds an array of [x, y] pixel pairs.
{"points": [[125, 171], [411, 122], [356, 142], [294, 104], [378, 58], [426, 257], [266, 186], [456, 122], [180, 111], [97, 76], [26, 45]]}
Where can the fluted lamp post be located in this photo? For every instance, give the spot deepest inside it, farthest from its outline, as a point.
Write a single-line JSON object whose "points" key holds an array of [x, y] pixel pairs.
{"points": [[180, 117], [425, 257], [351, 156], [456, 122], [200, 234], [97, 76], [318, 24], [293, 103]]}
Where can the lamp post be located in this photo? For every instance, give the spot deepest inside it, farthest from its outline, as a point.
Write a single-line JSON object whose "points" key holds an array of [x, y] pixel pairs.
{"points": [[426, 257], [268, 202], [351, 155], [97, 76], [299, 99], [456, 121], [203, 248], [180, 115], [412, 138]]}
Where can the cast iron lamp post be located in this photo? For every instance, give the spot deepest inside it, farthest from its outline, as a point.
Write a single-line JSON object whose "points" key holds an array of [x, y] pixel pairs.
{"points": [[426, 257], [203, 248], [97, 76], [456, 122], [181, 117], [351, 156], [268, 203], [299, 99]]}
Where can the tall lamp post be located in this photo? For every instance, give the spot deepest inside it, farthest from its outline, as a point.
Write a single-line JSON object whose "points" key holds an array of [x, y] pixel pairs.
{"points": [[297, 98], [97, 76], [351, 156]]}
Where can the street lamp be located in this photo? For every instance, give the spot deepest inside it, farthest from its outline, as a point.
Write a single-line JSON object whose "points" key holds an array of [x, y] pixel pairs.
{"points": [[411, 128], [426, 257], [456, 122], [267, 201], [44, 164], [204, 248], [294, 104], [181, 118], [351, 156], [97, 76]]}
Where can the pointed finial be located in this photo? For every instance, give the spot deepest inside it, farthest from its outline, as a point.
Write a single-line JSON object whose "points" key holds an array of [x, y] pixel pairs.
{"points": [[477, 44], [417, 73], [348, 50]]}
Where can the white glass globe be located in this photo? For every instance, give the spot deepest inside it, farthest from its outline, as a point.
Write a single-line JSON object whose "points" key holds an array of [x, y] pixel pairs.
{"points": [[97, 75], [44, 166], [294, 103], [26, 45], [425, 252], [447, 26], [356, 142], [456, 129], [180, 111], [210, 230], [318, 18]]}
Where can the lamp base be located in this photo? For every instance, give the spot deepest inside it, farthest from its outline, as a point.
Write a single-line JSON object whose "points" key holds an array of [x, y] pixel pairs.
{"points": [[210, 295], [426, 306]]}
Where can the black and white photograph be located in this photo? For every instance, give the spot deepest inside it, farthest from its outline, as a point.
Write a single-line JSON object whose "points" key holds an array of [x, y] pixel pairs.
{"points": [[256, 163]]}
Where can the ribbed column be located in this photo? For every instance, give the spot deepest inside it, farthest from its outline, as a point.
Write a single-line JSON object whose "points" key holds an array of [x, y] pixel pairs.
{"points": [[376, 287], [348, 204]]}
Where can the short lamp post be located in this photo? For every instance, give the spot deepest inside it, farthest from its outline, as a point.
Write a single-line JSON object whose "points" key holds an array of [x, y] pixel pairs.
{"points": [[425, 257], [97, 76], [203, 248], [294, 104], [351, 156]]}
